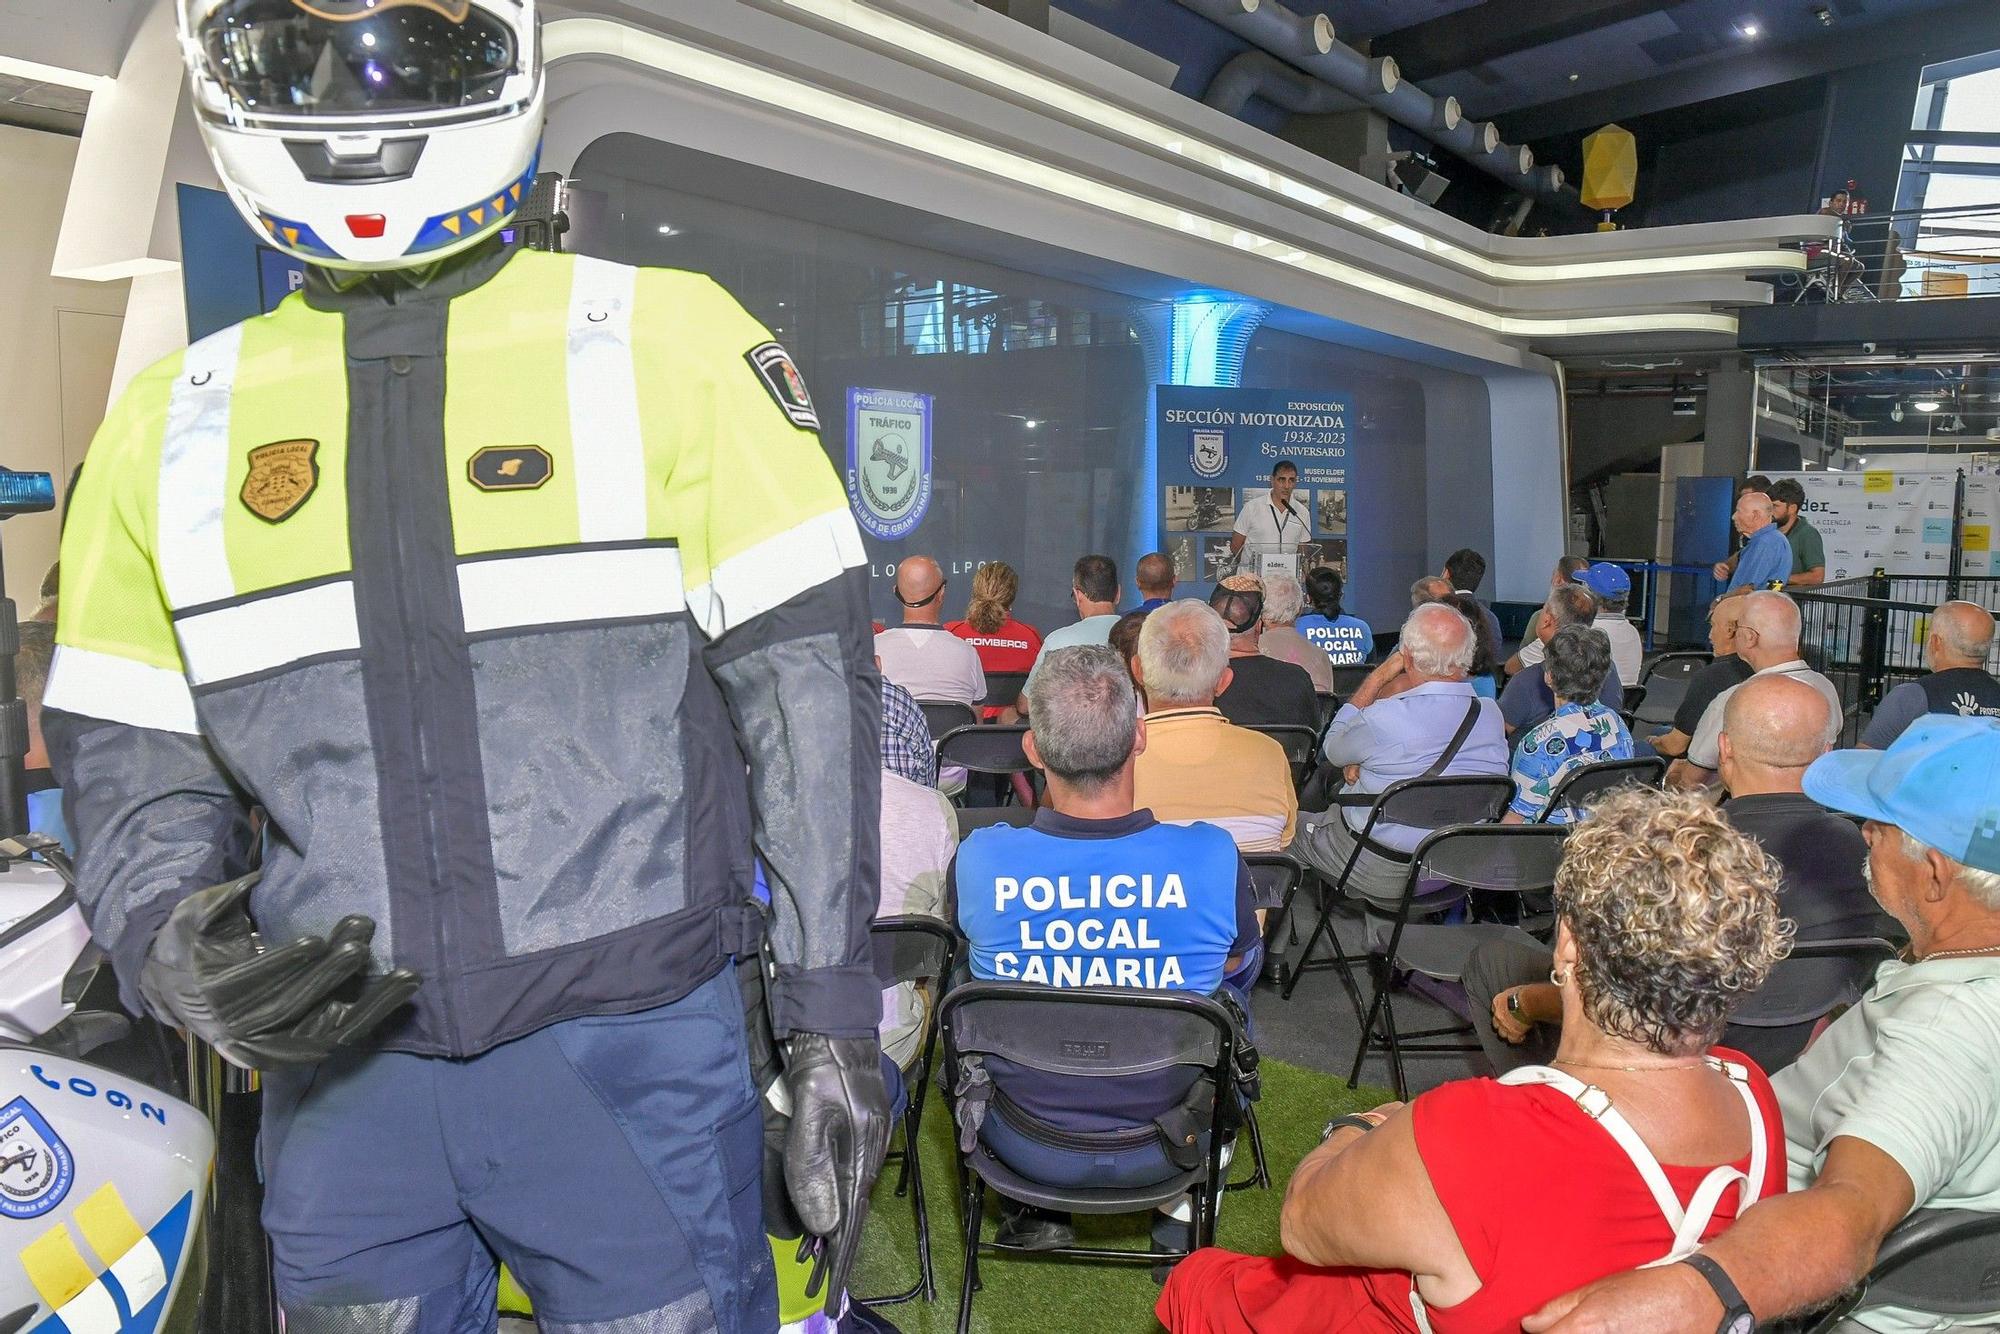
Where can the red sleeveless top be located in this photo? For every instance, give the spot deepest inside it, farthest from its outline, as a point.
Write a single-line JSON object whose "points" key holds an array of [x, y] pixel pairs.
{"points": [[1541, 1196]]}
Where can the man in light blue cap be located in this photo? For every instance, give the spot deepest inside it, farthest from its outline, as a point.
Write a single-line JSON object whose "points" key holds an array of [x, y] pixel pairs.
{"points": [[1896, 1106]]}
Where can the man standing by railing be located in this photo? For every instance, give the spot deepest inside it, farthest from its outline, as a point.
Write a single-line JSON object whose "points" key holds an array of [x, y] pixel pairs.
{"points": [[1766, 558], [1808, 550], [1961, 636]]}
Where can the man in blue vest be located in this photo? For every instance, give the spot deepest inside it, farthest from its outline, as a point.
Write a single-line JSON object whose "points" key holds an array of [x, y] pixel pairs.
{"points": [[1094, 894]]}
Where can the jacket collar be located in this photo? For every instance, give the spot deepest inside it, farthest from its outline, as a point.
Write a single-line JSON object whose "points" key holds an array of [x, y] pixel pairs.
{"points": [[335, 291]]}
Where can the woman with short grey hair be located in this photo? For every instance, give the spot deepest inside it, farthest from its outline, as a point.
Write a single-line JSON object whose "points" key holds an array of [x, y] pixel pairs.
{"points": [[1580, 732], [1283, 601]]}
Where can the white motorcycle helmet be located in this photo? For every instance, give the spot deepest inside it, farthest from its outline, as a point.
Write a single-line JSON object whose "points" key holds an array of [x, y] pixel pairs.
{"points": [[369, 135]]}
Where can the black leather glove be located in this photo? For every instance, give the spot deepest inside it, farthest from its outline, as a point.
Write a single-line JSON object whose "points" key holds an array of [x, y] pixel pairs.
{"points": [[260, 1006], [839, 1134]]}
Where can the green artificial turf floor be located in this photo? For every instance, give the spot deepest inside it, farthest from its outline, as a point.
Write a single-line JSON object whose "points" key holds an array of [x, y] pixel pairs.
{"points": [[1045, 1295]]}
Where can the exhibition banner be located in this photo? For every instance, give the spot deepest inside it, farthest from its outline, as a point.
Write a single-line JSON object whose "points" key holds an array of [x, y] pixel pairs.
{"points": [[1900, 522], [1216, 451], [1979, 553]]}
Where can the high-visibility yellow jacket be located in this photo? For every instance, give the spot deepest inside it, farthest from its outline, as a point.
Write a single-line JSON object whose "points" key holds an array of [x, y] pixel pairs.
{"points": [[489, 591]]}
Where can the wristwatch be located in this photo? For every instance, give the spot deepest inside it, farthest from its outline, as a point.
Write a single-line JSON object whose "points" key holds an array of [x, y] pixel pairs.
{"points": [[1737, 1317], [1514, 1002]]}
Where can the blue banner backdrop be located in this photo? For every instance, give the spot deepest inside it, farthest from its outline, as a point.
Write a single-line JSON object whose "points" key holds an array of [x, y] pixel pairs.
{"points": [[1216, 451]]}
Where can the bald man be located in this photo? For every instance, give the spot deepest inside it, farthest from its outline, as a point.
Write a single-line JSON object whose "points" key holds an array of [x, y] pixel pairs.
{"points": [[1956, 649], [1155, 577], [1776, 726], [1767, 638], [1766, 558], [920, 655]]}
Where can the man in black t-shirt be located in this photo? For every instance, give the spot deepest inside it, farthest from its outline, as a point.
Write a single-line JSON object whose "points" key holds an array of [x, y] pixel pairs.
{"points": [[1719, 675], [1263, 692], [1961, 636]]}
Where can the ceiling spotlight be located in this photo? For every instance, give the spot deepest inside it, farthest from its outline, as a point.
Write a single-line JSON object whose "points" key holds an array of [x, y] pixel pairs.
{"points": [[1896, 413], [668, 229], [1032, 423], [1824, 15], [1750, 28], [1574, 77], [1926, 405]]}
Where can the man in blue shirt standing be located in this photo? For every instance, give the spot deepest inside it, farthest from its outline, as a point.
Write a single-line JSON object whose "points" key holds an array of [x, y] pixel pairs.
{"points": [[1766, 559], [1094, 894]]}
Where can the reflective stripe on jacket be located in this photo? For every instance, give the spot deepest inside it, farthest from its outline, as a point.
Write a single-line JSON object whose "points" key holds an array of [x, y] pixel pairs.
{"points": [[487, 591]]}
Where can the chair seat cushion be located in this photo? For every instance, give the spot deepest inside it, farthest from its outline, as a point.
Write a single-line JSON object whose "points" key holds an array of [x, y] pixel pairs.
{"points": [[1442, 951]]}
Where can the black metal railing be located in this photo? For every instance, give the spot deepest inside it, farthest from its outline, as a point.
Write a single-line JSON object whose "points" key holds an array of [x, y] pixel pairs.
{"points": [[1908, 255], [1867, 635]]}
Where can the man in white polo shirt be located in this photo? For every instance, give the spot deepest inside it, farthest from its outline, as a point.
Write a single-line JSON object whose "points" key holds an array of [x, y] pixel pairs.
{"points": [[920, 655], [1767, 638], [1276, 524]]}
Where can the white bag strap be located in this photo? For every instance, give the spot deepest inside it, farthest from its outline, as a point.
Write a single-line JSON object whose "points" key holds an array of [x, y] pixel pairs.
{"points": [[1689, 1223]]}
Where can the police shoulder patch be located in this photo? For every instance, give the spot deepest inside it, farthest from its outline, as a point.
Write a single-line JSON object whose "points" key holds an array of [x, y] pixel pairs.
{"points": [[784, 383], [510, 468]]}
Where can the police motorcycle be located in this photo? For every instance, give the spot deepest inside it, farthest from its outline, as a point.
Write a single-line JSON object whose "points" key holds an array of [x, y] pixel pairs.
{"points": [[102, 1178]]}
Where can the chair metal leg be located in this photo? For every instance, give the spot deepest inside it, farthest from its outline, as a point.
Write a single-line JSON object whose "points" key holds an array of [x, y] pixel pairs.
{"points": [[1320, 928], [1260, 1176], [1367, 1030], [927, 1281], [975, 1201], [1400, 1084]]}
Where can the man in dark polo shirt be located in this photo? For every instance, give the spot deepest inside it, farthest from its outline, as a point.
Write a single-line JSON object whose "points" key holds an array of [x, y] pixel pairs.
{"points": [[1724, 671], [1961, 636], [1263, 692], [1527, 699], [1775, 726], [1094, 894]]}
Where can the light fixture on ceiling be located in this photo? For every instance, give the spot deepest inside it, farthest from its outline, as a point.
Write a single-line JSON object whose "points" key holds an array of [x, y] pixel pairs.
{"points": [[1032, 423], [1896, 413], [1751, 29], [1824, 15], [1926, 404], [668, 229]]}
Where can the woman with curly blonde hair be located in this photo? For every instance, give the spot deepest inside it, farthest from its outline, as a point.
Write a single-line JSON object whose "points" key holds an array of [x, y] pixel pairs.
{"points": [[1482, 1199]]}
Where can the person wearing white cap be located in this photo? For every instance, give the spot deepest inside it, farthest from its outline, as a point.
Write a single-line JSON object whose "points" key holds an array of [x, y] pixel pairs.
{"points": [[1896, 1107]]}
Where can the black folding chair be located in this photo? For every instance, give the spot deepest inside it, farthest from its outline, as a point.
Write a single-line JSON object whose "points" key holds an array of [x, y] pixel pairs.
{"points": [[1301, 747], [983, 817], [1942, 1262], [1003, 689], [1328, 706], [1419, 803], [1083, 1033], [993, 748], [918, 951], [1507, 859], [1635, 698], [1676, 666], [1590, 781], [945, 716], [1773, 1025]]}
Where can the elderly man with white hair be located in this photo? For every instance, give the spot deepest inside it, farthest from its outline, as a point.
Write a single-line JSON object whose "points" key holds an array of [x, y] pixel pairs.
{"points": [[1958, 683], [1283, 601], [1766, 558], [1767, 638], [1415, 716]]}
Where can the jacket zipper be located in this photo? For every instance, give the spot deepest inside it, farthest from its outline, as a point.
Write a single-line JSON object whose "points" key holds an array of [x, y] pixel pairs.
{"points": [[402, 538]]}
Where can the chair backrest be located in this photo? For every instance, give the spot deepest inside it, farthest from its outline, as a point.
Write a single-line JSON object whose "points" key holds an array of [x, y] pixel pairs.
{"points": [[1940, 1261], [1634, 697], [1433, 803], [1328, 706], [1815, 977], [983, 817], [1511, 858], [1094, 1032], [944, 715], [1590, 781], [1004, 688], [1301, 746], [1272, 876], [1347, 680], [1663, 699], [1674, 666], [992, 749], [911, 949]]}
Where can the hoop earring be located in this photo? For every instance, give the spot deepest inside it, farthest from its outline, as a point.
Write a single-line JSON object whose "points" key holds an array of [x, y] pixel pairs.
{"points": [[1558, 978]]}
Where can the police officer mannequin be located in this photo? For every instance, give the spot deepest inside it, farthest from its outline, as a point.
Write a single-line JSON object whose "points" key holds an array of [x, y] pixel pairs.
{"points": [[427, 566]]}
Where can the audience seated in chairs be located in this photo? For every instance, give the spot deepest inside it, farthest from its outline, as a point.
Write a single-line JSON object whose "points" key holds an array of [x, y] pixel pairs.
{"points": [[1155, 577], [1895, 1107], [920, 655], [1094, 589], [1345, 638], [1197, 764], [1581, 731], [919, 837], [1767, 637], [1480, 1200], [1262, 692], [1169, 908], [1483, 674], [1415, 716], [1724, 670], [1958, 683], [1527, 700], [1283, 600], [1566, 567], [1464, 570], [1776, 727], [1610, 589], [1005, 645]]}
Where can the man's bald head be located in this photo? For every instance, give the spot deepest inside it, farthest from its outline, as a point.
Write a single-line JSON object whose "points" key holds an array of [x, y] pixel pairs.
{"points": [[1777, 722], [1961, 635], [1753, 511], [1767, 631], [920, 588], [1155, 574]]}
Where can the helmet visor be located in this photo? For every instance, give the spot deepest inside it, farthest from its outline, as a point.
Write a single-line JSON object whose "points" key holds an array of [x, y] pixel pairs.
{"points": [[357, 57]]}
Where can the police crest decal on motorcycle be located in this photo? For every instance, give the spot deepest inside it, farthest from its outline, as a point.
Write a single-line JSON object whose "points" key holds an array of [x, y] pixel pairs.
{"points": [[36, 1169], [888, 460]]}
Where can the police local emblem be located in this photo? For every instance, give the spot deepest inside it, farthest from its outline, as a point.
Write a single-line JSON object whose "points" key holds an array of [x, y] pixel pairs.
{"points": [[283, 475], [36, 1169], [1211, 453], [888, 460]]}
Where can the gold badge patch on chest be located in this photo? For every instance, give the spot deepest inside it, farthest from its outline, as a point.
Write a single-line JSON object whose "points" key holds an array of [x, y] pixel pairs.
{"points": [[283, 475], [510, 467]]}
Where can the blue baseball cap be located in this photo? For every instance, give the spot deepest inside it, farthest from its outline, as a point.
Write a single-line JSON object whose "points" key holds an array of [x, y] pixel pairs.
{"points": [[1604, 579], [1939, 782]]}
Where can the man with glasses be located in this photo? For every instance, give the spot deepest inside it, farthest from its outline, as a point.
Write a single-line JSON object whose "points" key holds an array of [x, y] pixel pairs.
{"points": [[920, 655], [1767, 637]]}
